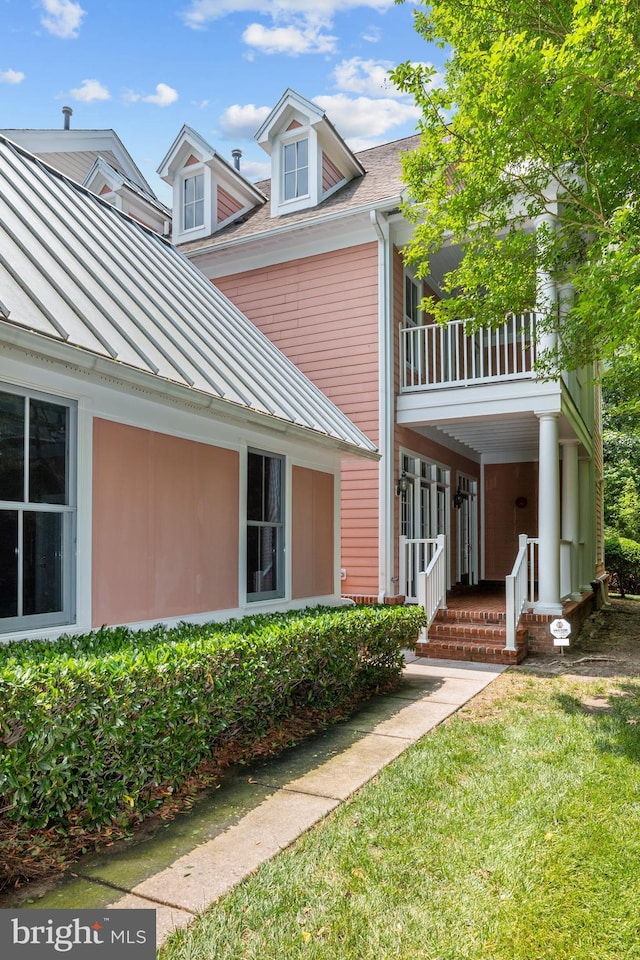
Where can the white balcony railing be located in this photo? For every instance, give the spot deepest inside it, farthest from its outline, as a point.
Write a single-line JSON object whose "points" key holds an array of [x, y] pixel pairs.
{"points": [[433, 356]]}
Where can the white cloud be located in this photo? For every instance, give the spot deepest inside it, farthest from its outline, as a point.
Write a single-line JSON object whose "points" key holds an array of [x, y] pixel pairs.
{"points": [[163, 97], [11, 76], [201, 12], [291, 39], [63, 17], [255, 171], [242, 122], [372, 34], [365, 76], [370, 77], [366, 117], [89, 91]]}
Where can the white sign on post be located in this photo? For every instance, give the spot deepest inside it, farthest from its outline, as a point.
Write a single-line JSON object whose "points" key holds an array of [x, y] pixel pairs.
{"points": [[560, 631]]}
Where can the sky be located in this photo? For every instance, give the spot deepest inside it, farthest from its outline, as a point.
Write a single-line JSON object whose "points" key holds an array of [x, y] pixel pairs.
{"points": [[145, 68]]}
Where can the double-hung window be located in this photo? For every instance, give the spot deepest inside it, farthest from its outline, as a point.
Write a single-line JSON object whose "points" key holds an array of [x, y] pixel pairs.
{"points": [[265, 526], [296, 169], [193, 202], [37, 510]]}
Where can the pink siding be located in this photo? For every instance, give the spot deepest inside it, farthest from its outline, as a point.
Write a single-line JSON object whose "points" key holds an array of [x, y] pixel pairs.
{"points": [[227, 205], [312, 533], [504, 519], [322, 312], [165, 526], [330, 173]]}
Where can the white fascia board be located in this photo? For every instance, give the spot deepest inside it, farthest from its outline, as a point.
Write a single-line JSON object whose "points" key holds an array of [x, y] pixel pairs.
{"points": [[469, 403], [189, 137], [289, 100], [210, 256], [159, 388]]}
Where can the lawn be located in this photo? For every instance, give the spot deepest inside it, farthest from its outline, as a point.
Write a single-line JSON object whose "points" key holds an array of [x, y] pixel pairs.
{"points": [[512, 832]]}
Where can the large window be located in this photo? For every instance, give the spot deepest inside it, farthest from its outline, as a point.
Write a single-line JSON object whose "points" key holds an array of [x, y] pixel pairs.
{"points": [[193, 202], [296, 169], [37, 512], [265, 527]]}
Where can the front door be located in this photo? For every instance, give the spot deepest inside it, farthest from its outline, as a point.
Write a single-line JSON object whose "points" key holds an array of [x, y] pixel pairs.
{"points": [[423, 515], [467, 524]]}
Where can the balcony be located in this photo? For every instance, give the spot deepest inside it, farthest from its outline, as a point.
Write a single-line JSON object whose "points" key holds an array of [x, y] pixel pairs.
{"points": [[434, 357]]}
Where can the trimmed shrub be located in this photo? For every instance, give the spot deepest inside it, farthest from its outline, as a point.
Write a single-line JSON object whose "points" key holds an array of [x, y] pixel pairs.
{"points": [[622, 561], [97, 728]]}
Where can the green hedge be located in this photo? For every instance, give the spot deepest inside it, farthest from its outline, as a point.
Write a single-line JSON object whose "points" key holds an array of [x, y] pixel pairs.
{"points": [[622, 561], [91, 726]]}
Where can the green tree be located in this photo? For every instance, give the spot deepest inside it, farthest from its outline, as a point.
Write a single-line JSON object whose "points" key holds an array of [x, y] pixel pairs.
{"points": [[539, 113]]}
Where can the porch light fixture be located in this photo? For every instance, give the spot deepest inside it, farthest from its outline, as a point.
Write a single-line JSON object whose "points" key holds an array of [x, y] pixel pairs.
{"points": [[458, 498], [403, 483]]}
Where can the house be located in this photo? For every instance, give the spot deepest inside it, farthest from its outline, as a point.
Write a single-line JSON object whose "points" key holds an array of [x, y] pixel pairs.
{"points": [[160, 458], [98, 160], [487, 475]]}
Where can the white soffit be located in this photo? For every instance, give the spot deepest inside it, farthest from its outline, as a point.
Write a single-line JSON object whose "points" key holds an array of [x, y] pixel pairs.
{"points": [[76, 270]]}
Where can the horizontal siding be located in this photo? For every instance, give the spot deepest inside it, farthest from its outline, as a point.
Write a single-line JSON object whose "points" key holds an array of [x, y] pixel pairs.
{"points": [[322, 312]]}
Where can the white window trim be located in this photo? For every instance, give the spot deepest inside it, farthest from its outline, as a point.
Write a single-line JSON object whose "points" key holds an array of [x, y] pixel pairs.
{"points": [[66, 616], [278, 204], [181, 233], [282, 590]]}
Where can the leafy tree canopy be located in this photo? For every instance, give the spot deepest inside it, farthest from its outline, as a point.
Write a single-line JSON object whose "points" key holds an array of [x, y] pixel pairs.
{"points": [[539, 114]]}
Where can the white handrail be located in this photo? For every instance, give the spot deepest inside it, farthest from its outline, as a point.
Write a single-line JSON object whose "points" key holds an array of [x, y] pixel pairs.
{"points": [[434, 356], [519, 586], [415, 555], [432, 586]]}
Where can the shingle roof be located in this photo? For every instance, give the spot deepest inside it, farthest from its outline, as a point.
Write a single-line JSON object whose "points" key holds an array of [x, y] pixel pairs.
{"points": [[381, 182], [76, 270]]}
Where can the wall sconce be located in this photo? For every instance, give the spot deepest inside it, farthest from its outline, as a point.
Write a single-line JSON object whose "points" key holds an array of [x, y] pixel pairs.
{"points": [[403, 483], [458, 498]]}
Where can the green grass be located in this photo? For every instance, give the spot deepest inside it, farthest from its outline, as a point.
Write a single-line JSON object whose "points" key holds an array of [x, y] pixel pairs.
{"points": [[512, 832]]}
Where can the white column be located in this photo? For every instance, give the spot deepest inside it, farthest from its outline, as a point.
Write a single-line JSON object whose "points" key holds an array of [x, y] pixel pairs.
{"points": [[587, 524], [548, 516], [547, 292], [571, 509]]}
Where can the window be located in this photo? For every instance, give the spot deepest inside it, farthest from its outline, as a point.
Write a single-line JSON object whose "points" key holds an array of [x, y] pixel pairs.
{"points": [[296, 169], [411, 301], [193, 202], [37, 512], [265, 528]]}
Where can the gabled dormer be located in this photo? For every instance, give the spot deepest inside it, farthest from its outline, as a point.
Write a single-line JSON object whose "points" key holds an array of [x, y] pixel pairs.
{"points": [[309, 158], [208, 192], [128, 196]]}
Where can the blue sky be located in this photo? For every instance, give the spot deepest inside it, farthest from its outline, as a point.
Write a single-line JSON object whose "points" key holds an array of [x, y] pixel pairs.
{"points": [[146, 68]]}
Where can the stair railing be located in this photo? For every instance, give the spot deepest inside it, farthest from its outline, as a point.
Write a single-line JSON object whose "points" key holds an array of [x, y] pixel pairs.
{"points": [[519, 586], [432, 585]]}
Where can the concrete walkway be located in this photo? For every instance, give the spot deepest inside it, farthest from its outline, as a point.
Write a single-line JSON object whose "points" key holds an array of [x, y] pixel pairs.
{"points": [[192, 861]]}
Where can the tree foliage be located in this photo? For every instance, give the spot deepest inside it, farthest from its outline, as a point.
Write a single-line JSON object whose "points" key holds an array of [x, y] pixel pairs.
{"points": [[539, 114]]}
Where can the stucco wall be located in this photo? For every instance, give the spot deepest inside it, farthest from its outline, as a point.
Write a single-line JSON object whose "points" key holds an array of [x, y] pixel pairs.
{"points": [[312, 558], [165, 525]]}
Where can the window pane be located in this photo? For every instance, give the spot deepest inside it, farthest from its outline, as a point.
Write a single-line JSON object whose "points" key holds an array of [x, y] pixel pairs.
{"points": [[303, 153], [189, 190], [198, 213], [11, 447], [8, 563], [255, 464], [289, 157], [48, 432], [262, 559], [303, 182], [272, 490], [188, 217], [289, 186], [199, 186], [42, 570]]}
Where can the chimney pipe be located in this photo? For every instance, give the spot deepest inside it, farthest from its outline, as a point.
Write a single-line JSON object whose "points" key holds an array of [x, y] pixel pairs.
{"points": [[236, 153], [67, 111]]}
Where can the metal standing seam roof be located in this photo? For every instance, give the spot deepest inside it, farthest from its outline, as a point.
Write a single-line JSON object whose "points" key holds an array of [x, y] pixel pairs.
{"points": [[75, 269]]}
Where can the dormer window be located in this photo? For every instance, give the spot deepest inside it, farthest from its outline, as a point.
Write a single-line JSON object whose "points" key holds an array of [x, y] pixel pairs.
{"points": [[193, 202], [296, 169]]}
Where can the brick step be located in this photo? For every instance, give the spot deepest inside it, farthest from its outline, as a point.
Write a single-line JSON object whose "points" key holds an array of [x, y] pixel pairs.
{"points": [[477, 652], [471, 616], [467, 630]]}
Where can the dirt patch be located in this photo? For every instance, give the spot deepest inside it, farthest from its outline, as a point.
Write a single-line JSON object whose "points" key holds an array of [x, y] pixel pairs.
{"points": [[608, 646]]}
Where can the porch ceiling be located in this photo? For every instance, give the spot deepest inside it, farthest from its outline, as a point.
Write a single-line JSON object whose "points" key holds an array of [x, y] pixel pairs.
{"points": [[493, 438]]}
